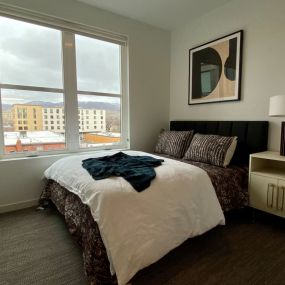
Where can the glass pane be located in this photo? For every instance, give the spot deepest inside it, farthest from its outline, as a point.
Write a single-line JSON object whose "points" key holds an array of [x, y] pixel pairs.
{"points": [[98, 65], [99, 120], [30, 54], [32, 121]]}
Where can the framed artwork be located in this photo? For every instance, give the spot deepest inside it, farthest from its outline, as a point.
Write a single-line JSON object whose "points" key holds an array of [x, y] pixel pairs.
{"points": [[215, 70]]}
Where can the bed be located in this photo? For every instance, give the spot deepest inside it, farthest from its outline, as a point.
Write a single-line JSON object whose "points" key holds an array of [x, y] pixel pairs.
{"points": [[232, 194]]}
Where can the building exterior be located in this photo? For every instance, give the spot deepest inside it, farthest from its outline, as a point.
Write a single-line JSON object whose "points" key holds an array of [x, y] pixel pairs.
{"points": [[53, 119], [91, 120], [29, 128], [27, 117], [38, 118], [101, 138], [8, 122]]}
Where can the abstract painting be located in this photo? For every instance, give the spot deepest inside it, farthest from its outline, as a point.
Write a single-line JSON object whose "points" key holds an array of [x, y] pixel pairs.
{"points": [[215, 70]]}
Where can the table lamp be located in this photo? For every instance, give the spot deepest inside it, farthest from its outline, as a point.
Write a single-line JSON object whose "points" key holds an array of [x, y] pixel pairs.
{"points": [[277, 109]]}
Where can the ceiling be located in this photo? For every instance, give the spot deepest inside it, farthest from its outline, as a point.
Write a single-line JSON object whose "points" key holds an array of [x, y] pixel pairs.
{"points": [[165, 14]]}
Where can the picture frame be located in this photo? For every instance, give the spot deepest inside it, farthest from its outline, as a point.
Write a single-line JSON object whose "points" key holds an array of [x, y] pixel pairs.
{"points": [[215, 70]]}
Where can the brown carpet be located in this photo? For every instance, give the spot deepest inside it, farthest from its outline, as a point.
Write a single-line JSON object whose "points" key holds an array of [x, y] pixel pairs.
{"points": [[36, 248]]}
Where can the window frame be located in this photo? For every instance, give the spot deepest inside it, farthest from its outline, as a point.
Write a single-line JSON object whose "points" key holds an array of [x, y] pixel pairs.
{"points": [[70, 93]]}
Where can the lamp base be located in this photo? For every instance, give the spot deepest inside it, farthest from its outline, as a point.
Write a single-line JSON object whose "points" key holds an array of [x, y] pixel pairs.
{"points": [[282, 144]]}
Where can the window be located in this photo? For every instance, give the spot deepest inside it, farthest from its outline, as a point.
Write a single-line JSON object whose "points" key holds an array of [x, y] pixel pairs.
{"points": [[91, 81], [26, 93], [54, 57]]}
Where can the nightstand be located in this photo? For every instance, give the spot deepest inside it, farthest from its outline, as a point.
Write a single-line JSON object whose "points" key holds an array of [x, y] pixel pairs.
{"points": [[267, 182]]}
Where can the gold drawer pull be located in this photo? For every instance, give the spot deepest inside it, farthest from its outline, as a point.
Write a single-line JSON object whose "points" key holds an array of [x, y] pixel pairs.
{"points": [[283, 194], [272, 198], [267, 195], [272, 195], [277, 199], [279, 188]]}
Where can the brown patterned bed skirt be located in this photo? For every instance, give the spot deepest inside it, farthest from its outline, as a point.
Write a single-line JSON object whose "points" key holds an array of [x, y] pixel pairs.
{"points": [[84, 229], [230, 185]]}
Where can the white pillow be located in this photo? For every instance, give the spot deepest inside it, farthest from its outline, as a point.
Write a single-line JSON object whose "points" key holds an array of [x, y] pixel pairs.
{"points": [[230, 152]]}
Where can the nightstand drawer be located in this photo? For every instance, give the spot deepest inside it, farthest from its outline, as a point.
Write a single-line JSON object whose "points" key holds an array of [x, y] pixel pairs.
{"points": [[267, 194]]}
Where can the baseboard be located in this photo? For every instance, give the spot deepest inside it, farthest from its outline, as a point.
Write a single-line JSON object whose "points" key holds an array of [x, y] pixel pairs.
{"points": [[18, 206]]}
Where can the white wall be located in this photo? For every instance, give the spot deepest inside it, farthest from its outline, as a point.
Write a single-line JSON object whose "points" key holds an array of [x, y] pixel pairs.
{"points": [[21, 181], [263, 73], [149, 75]]}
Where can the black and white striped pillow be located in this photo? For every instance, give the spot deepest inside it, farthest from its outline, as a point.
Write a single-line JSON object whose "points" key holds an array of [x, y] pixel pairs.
{"points": [[173, 143], [212, 149]]}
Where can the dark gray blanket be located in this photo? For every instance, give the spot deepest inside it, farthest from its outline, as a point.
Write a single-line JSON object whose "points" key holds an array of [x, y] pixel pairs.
{"points": [[137, 170]]}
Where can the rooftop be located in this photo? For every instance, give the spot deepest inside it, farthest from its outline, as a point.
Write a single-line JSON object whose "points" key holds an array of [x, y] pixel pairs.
{"points": [[39, 137]]}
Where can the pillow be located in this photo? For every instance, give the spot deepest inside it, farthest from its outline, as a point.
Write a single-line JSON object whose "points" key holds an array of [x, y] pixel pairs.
{"points": [[212, 149], [173, 143]]}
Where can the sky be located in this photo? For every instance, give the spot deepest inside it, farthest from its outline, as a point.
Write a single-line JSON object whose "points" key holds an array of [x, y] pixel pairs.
{"points": [[31, 55]]}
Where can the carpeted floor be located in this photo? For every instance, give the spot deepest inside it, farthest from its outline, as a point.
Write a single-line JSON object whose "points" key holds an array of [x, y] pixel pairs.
{"points": [[36, 249]]}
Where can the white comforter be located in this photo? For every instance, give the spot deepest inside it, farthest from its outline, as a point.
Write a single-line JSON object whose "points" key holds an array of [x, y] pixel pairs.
{"points": [[139, 228]]}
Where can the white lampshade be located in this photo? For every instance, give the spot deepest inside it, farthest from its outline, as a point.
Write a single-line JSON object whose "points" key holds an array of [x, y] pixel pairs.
{"points": [[277, 105]]}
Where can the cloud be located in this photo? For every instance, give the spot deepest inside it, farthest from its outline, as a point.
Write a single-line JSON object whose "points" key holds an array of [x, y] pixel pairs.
{"points": [[98, 65], [31, 55]]}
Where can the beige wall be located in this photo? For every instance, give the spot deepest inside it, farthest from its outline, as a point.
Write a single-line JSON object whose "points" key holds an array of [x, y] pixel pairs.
{"points": [[149, 75], [263, 74]]}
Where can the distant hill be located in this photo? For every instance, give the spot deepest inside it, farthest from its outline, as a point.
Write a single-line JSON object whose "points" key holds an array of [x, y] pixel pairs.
{"points": [[84, 105], [6, 107]]}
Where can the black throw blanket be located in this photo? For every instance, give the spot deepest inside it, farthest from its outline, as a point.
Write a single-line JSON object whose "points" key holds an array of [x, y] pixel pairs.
{"points": [[137, 170]]}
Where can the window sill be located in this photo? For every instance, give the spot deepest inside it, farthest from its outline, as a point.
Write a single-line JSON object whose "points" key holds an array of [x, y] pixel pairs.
{"points": [[62, 154]]}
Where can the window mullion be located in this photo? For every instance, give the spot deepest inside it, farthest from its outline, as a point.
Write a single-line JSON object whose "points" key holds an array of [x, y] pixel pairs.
{"points": [[2, 142], [125, 98], [70, 91], [30, 88]]}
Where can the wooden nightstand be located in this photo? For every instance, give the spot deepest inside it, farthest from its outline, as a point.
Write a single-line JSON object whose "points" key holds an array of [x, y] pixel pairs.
{"points": [[267, 182]]}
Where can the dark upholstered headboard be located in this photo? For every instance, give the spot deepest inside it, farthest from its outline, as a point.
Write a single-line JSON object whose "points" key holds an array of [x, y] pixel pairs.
{"points": [[252, 135]]}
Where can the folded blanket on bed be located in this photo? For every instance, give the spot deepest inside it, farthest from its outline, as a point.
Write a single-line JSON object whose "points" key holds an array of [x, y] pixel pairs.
{"points": [[137, 170]]}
